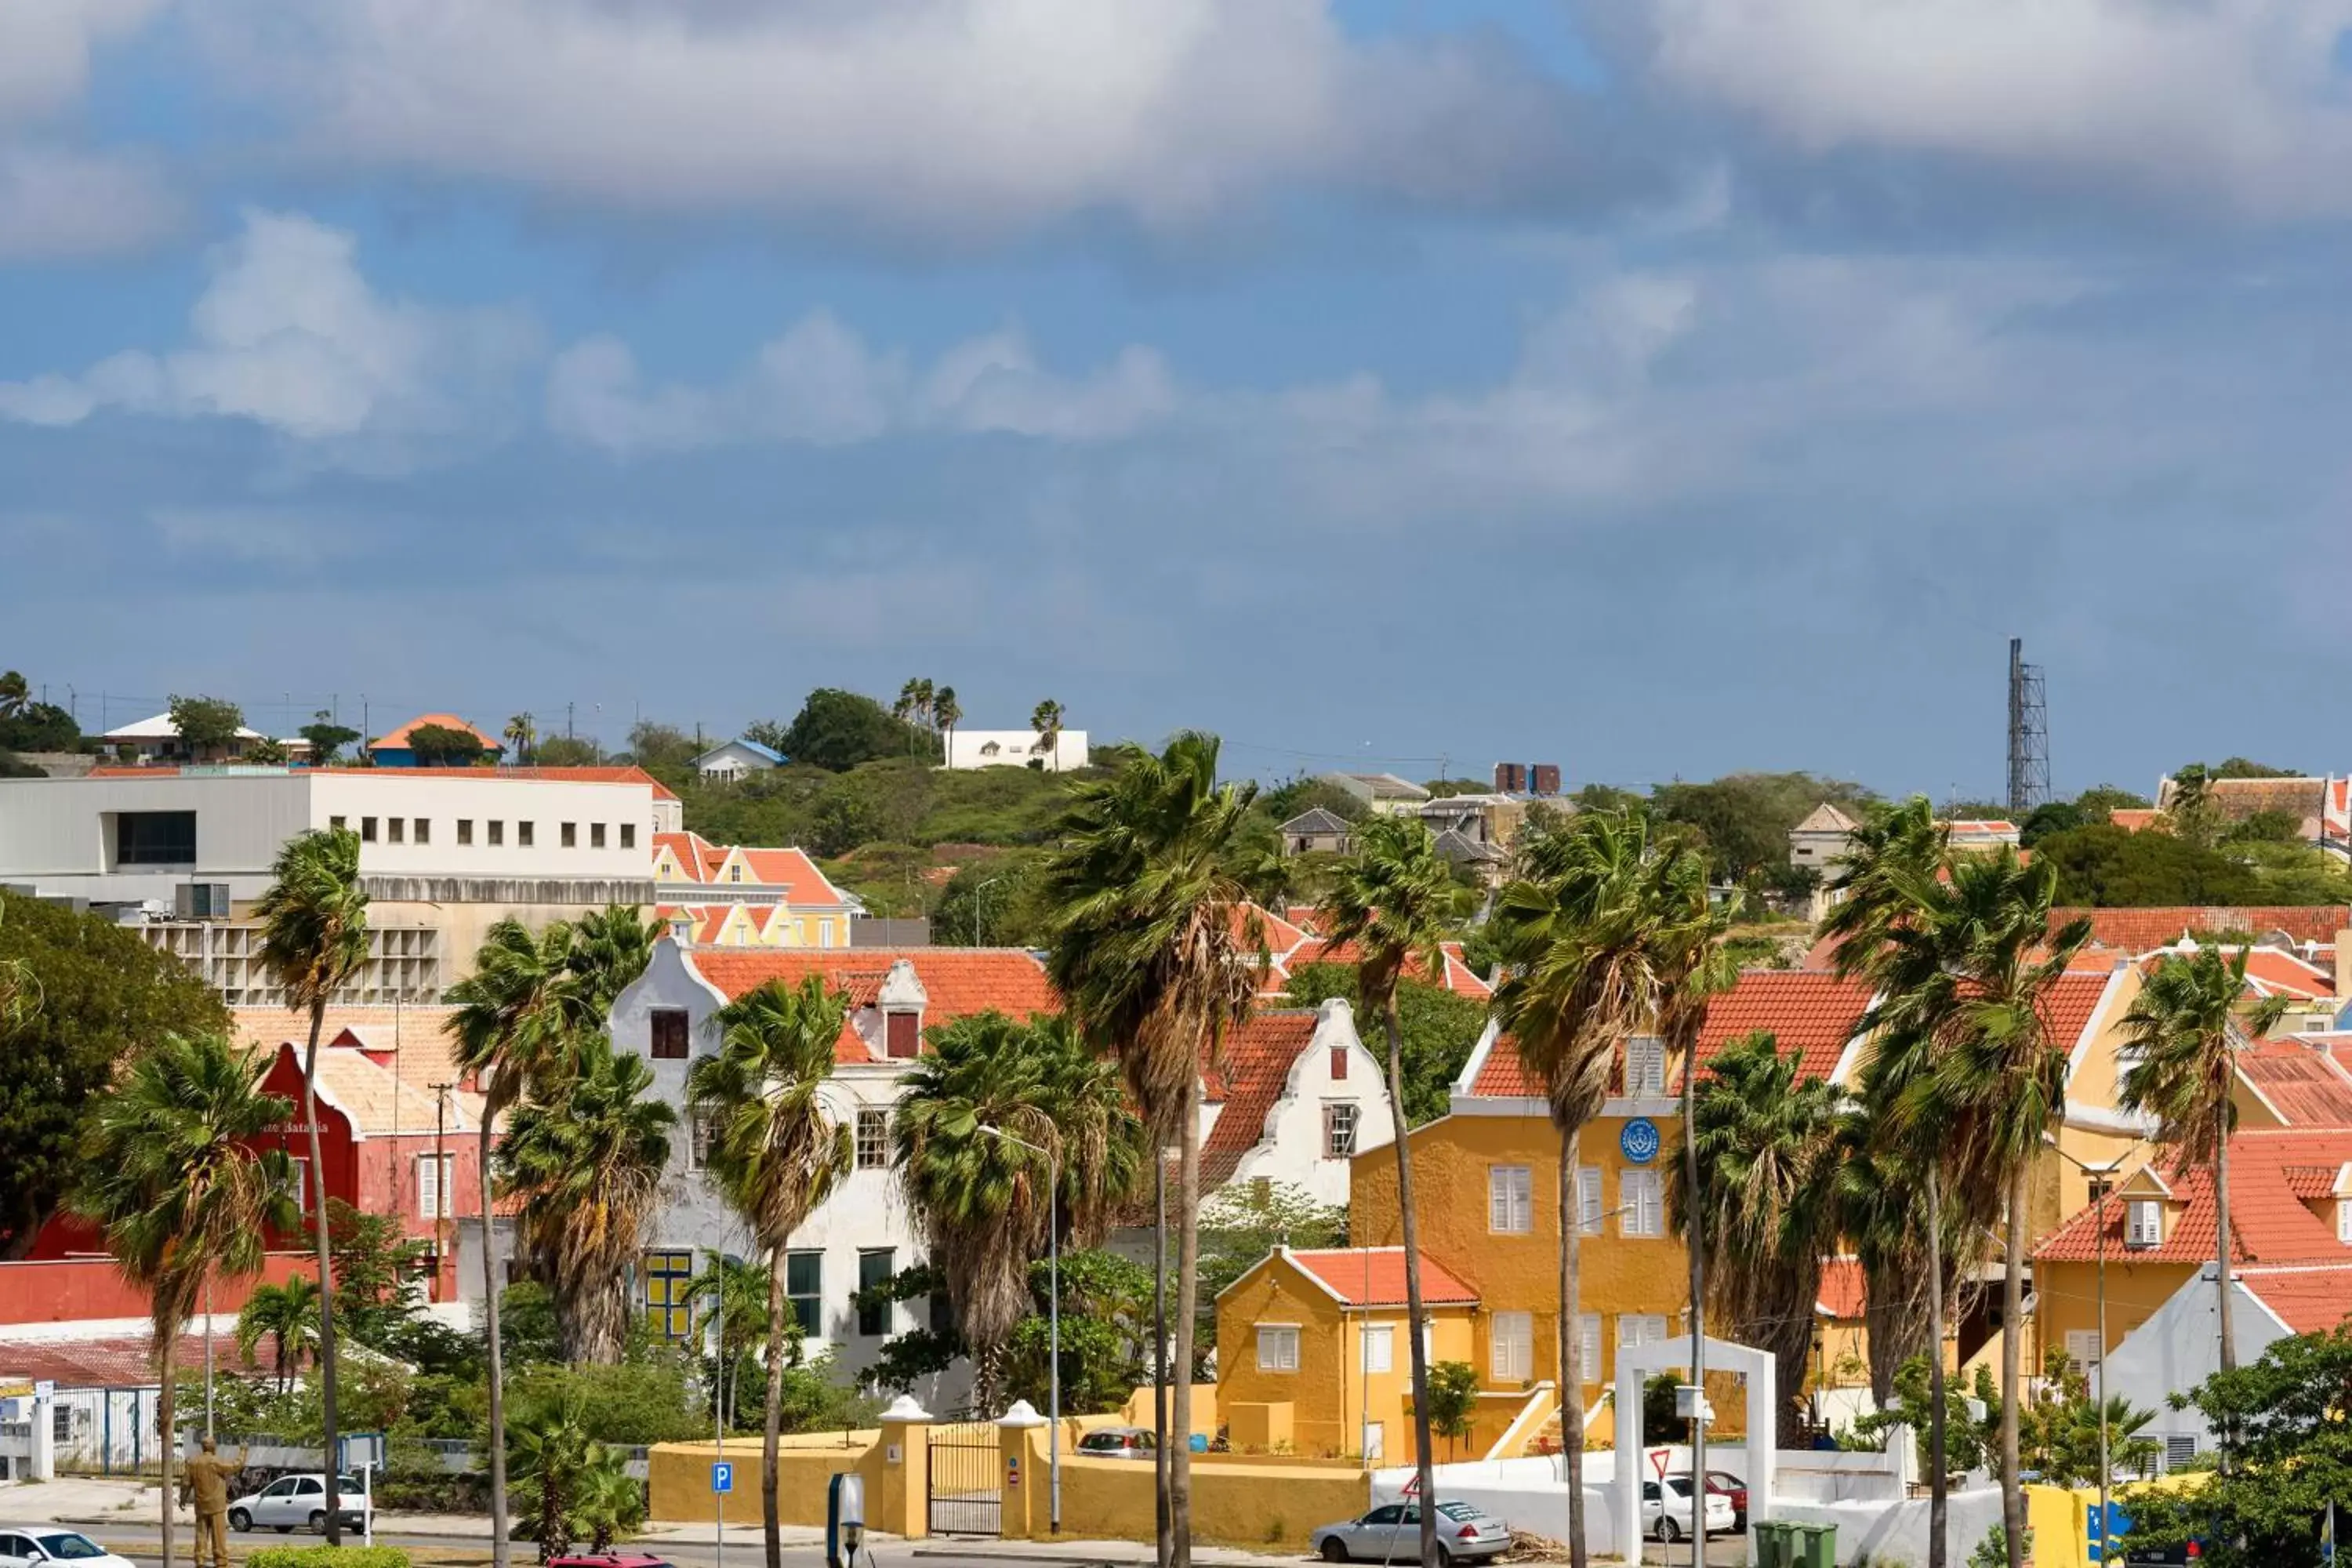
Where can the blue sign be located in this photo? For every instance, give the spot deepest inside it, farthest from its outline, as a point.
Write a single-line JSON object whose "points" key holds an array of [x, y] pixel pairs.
{"points": [[722, 1477], [1639, 1142], [2118, 1526]]}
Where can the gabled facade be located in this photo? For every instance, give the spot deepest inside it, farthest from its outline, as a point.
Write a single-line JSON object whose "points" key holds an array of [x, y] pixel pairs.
{"points": [[392, 749], [733, 760], [719, 895], [1296, 1097], [1317, 832]]}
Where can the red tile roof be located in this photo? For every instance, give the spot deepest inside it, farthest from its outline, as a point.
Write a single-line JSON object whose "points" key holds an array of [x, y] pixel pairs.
{"points": [[2269, 1223], [2308, 1301], [2145, 931], [395, 739], [2307, 1087], [2273, 972], [1375, 1277], [1456, 975], [2133, 819], [120, 1360], [2071, 1000], [956, 980], [1257, 1064], [1842, 1291]]}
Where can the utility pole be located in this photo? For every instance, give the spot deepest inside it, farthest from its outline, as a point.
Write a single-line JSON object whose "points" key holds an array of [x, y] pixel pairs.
{"points": [[440, 1186]]}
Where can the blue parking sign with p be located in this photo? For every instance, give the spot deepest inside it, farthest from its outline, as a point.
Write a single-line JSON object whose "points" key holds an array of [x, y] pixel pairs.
{"points": [[722, 1477]]}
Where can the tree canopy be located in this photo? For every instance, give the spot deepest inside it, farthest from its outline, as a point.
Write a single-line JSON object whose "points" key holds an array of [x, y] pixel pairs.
{"points": [[836, 730], [207, 724], [440, 746], [1745, 818], [2103, 865]]}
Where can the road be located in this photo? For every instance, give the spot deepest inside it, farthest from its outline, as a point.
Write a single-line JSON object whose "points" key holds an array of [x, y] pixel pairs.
{"points": [[144, 1547]]}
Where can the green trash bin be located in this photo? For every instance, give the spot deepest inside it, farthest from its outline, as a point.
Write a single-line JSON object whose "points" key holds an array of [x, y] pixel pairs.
{"points": [[1776, 1545], [1815, 1546]]}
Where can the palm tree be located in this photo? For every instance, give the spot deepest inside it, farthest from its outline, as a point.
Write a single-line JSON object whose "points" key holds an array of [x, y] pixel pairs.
{"points": [[1159, 955], [289, 1314], [737, 1292], [610, 949], [2183, 1029], [15, 694], [1046, 720], [1880, 1214], [512, 1028], [1963, 1051], [945, 714], [586, 1155], [1391, 902], [314, 937], [550, 1451], [1583, 935], [1768, 1141], [606, 1500], [522, 734], [175, 1180], [981, 1126], [777, 1150]]}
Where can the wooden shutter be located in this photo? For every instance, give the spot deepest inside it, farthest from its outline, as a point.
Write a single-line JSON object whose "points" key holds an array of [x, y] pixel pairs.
{"points": [[902, 1034]]}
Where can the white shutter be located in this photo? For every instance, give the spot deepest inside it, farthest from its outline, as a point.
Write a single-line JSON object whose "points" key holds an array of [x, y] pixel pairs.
{"points": [[1587, 1347], [1511, 1351], [429, 1187], [1588, 1199], [1277, 1349], [1645, 1066], [1645, 1204], [1379, 1348], [2082, 1348], [2144, 1223], [1510, 1199]]}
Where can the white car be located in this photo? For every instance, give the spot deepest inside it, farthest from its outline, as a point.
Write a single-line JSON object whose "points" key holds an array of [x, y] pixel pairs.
{"points": [[35, 1545], [1666, 1510], [294, 1502]]}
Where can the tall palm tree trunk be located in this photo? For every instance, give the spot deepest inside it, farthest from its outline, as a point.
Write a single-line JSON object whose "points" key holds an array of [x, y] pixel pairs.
{"points": [[1424, 1469], [1695, 1238], [2012, 1330], [1571, 1374], [1938, 1512], [167, 1356], [772, 1433], [326, 1269], [1188, 1290], [499, 1546], [1165, 1544], [2228, 1347]]}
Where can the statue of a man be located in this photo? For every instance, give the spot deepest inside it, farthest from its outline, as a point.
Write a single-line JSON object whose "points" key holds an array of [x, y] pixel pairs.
{"points": [[204, 1482]]}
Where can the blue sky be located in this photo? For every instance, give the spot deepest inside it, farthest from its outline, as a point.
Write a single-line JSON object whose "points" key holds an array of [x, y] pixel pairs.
{"points": [[1661, 387]]}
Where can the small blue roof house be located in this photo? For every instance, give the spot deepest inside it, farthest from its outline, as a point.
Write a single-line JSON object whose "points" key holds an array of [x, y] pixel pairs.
{"points": [[393, 749], [735, 759]]}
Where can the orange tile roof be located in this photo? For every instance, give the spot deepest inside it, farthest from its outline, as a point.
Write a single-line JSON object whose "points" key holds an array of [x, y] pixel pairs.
{"points": [[2308, 1086], [956, 981], [395, 739], [410, 1042], [1375, 1277], [1306, 917], [2146, 930], [1455, 975], [1249, 1079], [2269, 1223], [2308, 1301], [2273, 970], [2133, 819], [1843, 1290]]}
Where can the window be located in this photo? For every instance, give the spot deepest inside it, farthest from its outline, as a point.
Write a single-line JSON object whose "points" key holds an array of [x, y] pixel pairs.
{"points": [[734, 873], [628, 835], [2343, 1220], [464, 830], [2179, 1448], [669, 1033], [301, 1183], [700, 1132], [394, 830], [1640, 1329], [1587, 1347], [1510, 1200], [1339, 1130], [1511, 1351], [1645, 1066], [436, 1175], [1643, 1202], [367, 829], [497, 832], [1588, 1200], [524, 835], [424, 831], [2099, 1189], [335, 822], [571, 836], [2082, 1349], [1379, 1348], [902, 1034], [596, 835], [825, 933], [804, 1288], [670, 1300], [873, 1138], [2143, 1223], [155, 838], [1278, 1347], [874, 1268], [1338, 1064]]}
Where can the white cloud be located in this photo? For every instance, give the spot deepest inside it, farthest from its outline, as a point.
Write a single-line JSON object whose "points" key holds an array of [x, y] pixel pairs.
{"points": [[59, 199], [2239, 101], [46, 47], [289, 335], [965, 118], [819, 384]]}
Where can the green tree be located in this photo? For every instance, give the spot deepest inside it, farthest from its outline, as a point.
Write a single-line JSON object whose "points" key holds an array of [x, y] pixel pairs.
{"points": [[88, 996], [1157, 956], [16, 693], [736, 1292], [983, 1119], [1046, 720], [268, 751], [2182, 1032], [512, 1026], [2059, 1429], [1390, 903], [776, 1150], [662, 748], [2106, 867], [176, 1179], [2246, 768], [39, 727], [444, 746], [206, 725], [1768, 1139], [1746, 817], [946, 714], [610, 949], [586, 1153], [1453, 1401], [314, 938], [287, 1315], [1587, 930], [327, 737], [548, 1450], [837, 730], [996, 902], [521, 736], [564, 752]]}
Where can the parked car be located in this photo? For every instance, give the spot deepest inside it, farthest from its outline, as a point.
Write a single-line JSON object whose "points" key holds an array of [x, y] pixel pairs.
{"points": [[1392, 1533], [35, 1545], [1120, 1443], [610, 1560], [1735, 1488], [1666, 1509], [299, 1500]]}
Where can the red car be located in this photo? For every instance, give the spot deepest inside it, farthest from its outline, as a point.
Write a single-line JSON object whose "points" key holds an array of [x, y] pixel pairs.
{"points": [[614, 1559]]}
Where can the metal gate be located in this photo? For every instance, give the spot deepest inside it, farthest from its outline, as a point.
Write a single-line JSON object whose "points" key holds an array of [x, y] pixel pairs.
{"points": [[967, 1494]]}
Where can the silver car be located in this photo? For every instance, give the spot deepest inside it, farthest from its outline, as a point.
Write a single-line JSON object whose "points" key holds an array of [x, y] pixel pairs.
{"points": [[1392, 1533]]}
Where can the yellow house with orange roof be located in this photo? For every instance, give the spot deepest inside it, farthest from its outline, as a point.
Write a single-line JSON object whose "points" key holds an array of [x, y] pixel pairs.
{"points": [[717, 895]]}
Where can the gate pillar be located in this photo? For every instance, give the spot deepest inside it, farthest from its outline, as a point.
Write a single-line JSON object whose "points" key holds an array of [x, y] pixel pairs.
{"points": [[903, 1508], [1017, 1431]]}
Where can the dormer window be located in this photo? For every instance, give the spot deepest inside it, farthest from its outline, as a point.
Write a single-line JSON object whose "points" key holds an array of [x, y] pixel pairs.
{"points": [[2143, 1223], [902, 1034]]}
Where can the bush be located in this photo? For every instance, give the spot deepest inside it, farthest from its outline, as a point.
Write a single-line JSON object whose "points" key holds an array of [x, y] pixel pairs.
{"points": [[328, 1557]]}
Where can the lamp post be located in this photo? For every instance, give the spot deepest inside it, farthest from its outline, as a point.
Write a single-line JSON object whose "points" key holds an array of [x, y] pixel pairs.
{"points": [[1052, 1320], [2101, 1183]]}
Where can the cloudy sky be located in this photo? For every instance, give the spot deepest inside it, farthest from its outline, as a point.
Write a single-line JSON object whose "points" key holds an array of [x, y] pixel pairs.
{"points": [[1657, 386]]}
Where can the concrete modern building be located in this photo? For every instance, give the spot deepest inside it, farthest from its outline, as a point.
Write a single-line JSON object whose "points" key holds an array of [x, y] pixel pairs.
{"points": [[1016, 748]]}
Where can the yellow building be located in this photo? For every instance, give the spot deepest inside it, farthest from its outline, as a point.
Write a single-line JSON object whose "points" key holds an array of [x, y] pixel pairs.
{"points": [[722, 895]]}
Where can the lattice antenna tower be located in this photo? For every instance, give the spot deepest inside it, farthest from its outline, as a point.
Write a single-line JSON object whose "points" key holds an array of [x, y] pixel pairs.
{"points": [[2029, 734]]}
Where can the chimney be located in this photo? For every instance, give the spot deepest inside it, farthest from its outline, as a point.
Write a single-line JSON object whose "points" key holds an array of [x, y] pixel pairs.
{"points": [[2344, 966]]}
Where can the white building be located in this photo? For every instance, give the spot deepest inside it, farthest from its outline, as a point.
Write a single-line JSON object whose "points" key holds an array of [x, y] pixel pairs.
{"points": [[157, 741], [736, 760], [1016, 748], [1295, 1096], [1384, 793]]}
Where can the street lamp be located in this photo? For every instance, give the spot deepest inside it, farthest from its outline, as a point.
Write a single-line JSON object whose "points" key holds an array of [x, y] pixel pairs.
{"points": [[2099, 1178], [1052, 1319]]}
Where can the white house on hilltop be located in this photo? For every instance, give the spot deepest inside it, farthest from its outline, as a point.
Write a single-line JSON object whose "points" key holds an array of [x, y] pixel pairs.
{"points": [[1016, 748]]}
